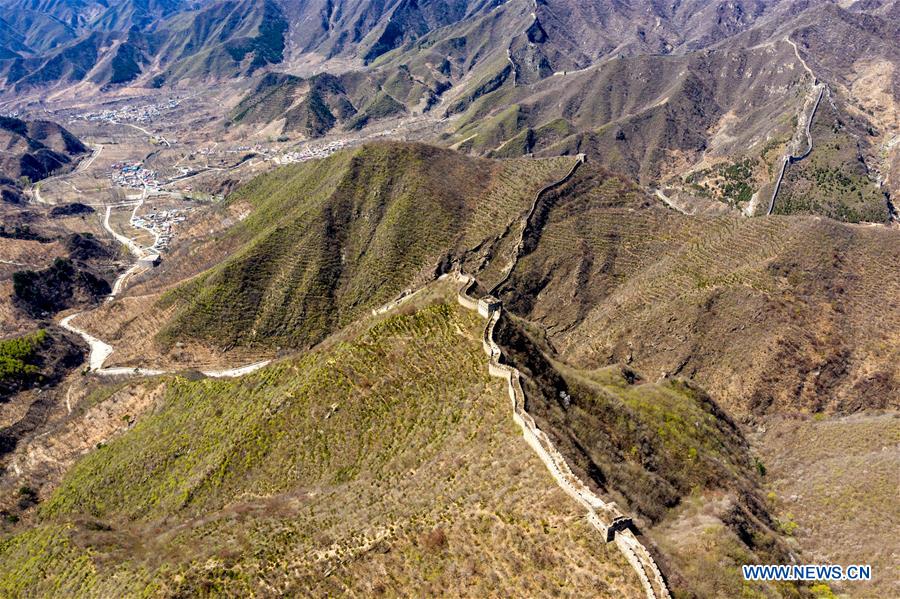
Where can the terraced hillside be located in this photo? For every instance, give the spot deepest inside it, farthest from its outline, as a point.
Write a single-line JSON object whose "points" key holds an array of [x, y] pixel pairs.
{"points": [[772, 313], [386, 461], [324, 242]]}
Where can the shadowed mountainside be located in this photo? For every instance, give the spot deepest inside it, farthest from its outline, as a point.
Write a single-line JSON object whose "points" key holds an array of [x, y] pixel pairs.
{"points": [[33, 151], [153, 43]]}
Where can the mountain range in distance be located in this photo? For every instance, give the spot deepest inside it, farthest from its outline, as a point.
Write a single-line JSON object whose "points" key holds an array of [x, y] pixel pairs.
{"points": [[448, 297], [699, 100]]}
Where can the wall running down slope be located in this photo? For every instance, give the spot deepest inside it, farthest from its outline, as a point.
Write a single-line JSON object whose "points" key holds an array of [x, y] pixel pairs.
{"points": [[789, 159], [604, 516]]}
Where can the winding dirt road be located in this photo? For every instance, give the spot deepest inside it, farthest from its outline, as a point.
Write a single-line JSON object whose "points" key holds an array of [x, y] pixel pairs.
{"points": [[81, 167], [100, 351]]}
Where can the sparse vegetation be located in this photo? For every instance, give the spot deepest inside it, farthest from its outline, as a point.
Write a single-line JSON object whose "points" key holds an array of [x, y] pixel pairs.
{"points": [[329, 240], [833, 180], [55, 288], [263, 484]]}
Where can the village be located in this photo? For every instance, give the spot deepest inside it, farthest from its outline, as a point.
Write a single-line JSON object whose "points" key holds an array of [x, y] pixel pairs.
{"points": [[159, 223], [311, 153], [133, 175], [144, 114]]}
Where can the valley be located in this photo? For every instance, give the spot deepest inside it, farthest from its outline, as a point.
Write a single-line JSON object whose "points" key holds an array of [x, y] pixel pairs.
{"points": [[272, 276]]}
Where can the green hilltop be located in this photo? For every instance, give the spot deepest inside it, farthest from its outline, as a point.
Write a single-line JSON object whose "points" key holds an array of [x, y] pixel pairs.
{"points": [[328, 240]]}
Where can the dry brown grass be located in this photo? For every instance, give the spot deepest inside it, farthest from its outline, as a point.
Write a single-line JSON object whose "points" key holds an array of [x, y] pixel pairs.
{"points": [[835, 482], [768, 314]]}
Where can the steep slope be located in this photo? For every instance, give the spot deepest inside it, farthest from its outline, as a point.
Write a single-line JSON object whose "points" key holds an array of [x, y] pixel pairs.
{"points": [[41, 26], [680, 106], [220, 40], [773, 314], [368, 28], [156, 43], [41, 357], [656, 448], [384, 462], [606, 290], [833, 180], [312, 107], [326, 241], [851, 461], [32, 151], [12, 44]]}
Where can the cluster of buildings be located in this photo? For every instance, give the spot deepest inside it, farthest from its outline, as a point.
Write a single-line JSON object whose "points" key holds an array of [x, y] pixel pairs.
{"points": [[146, 113], [133, 175], [311, 153], [258, 148], [159, 222]]}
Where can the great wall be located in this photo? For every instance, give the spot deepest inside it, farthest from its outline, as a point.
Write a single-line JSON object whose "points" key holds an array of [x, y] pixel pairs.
{"points": [[604, 516], [520, 245], [789, 158]]}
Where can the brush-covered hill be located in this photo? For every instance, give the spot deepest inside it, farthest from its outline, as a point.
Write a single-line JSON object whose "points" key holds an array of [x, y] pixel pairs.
{"points": [[699, 98], [384, 462], [33, 150], [664, 449], [368, 28], [833, 180], [40, 358], [772, 314], [647, 340], [323, 242]]}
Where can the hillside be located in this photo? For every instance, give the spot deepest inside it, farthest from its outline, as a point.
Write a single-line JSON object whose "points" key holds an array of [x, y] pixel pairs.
{"points": [[661, 449], [384, 462], [833, 181], [32, 151], [40, 358], [147, 43], [312, 107], [705, 113], [850, 462], [609, 273], [700, 98], [466, 298], [655, 348], [773, 314], [327, 241]]}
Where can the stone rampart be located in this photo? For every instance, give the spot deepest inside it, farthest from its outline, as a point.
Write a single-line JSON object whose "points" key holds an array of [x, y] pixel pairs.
{"points": [[604, 516]]}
